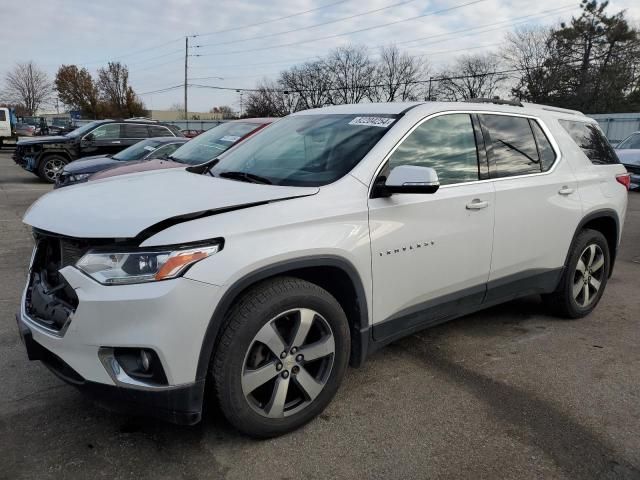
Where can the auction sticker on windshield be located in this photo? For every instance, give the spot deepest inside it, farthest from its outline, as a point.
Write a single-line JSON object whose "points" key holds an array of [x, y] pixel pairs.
{"points": [[229, 138], [383, 122]]}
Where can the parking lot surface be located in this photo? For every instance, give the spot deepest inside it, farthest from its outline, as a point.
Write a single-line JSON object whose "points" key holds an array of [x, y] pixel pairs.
{"points": [[506, 393]]}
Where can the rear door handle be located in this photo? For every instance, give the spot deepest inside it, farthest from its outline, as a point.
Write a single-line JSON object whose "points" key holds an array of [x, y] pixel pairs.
{"points": [[477, 204], [565, 190]]}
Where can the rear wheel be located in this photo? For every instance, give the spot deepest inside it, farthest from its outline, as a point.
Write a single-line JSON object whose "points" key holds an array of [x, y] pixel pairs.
{"points": [[50, 167], [281, 357], [585, 276]]}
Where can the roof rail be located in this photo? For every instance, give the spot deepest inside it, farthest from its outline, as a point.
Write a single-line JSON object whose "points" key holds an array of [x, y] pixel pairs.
{"points": [[497, 101], [140, 119], [549, 108]]}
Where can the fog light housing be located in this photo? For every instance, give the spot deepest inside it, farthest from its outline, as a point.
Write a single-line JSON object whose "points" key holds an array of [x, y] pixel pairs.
{"points": [[135, 367]]}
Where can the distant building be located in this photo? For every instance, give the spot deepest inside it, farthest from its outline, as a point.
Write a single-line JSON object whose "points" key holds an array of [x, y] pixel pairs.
{"points": [[169, 115]]}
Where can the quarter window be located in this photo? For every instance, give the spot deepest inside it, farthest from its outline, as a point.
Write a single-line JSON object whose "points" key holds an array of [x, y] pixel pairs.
{"points": [[445, 143], [107, 132], [510, 146], [591, 141], [160, 132], [545, 150]]}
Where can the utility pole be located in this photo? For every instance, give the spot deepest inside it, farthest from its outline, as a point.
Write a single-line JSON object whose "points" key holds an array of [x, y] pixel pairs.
{"points": [[186, 67], [240, 92]]}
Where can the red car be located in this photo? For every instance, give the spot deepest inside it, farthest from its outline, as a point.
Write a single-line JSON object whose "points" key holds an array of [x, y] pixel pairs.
{"points": [[191, 133], [201, 149]]}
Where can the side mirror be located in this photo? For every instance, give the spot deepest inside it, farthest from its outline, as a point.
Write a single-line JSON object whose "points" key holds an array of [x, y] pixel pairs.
{"points": [[89, 137], [409, 179]]}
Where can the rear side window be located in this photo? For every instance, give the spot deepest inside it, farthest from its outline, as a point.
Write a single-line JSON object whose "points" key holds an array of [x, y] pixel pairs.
{"points": [[157, 131], [591, 141], [3, 116], [135, 131], [445, 143], [511, 145]]}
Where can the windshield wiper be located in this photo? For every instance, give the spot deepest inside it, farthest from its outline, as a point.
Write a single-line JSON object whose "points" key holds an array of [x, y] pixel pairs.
{"points": [[245, 177]]}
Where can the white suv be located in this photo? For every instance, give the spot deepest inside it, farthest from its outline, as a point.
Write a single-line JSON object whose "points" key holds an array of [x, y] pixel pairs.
{"points": [[326, 236]]}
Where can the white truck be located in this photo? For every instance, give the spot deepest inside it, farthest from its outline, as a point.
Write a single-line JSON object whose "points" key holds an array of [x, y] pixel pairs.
{"points": [[7, 123]]}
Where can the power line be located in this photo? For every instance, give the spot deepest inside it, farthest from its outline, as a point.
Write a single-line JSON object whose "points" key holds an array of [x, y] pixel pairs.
{"points": [[509, 23], [436, 12], [132, 53], [412, 82], [520, 20], [175, 40], [322, 7], [329, 22]]}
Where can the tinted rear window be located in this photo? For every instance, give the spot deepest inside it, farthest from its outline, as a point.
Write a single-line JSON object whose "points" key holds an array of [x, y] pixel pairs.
{"points": [[511, 146], [135, 131], [3, 116], [158, 131], [591, 141]]}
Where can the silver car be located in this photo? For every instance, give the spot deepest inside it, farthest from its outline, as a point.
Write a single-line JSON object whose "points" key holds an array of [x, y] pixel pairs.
{"points": [[628, 152]]}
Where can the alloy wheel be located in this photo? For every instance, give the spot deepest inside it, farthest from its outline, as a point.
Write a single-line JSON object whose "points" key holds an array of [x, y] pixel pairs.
{"points": [[288, 363], [52, 168], [588, 275]]}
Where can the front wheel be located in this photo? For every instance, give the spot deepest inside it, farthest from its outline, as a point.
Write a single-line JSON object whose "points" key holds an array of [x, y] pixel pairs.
{"points": [[281, 357], [585, 276], [50, 167]]}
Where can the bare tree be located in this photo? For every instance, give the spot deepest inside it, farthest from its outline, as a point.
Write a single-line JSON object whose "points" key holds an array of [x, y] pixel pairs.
{"points": [[397, 76], [310, 83], [352, 73], [178, 108], [472, 76], [270, 100], [28, 85], [113, 82], [225, 110], [528, 50]]}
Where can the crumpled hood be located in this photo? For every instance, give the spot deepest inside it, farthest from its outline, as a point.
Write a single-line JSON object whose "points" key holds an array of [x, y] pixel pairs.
{"points": [[122, 207], [629, 157], [90, 164], [49, 139]]}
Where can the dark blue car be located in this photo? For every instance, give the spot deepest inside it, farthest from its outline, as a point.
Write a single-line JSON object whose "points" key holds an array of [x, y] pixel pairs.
{"points": [[80, 170]]}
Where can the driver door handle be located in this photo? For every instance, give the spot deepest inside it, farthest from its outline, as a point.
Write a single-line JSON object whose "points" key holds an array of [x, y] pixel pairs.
{"points": [[477, 204], [565, 190], [116, 141]]}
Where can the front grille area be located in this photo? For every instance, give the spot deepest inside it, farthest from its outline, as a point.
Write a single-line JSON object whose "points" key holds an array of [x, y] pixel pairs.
{"points": [[50, 300]]}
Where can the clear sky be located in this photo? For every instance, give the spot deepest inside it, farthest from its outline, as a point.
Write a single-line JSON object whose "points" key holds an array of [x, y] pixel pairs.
{"points": [[148, 36]]}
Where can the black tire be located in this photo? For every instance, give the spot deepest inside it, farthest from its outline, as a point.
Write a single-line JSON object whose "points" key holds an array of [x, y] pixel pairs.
{"points": [[563, 302], [50, 167], [260, 306]]}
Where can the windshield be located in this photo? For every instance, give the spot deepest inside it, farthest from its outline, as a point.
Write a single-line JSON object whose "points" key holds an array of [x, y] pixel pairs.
{"points": [[306, 150], [137, 150], [83, 129], [631, 142], [213, 142]]}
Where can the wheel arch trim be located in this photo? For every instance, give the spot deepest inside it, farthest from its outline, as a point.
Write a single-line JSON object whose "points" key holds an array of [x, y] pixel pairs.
{"points": [[235, 290], [594, 215]]}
